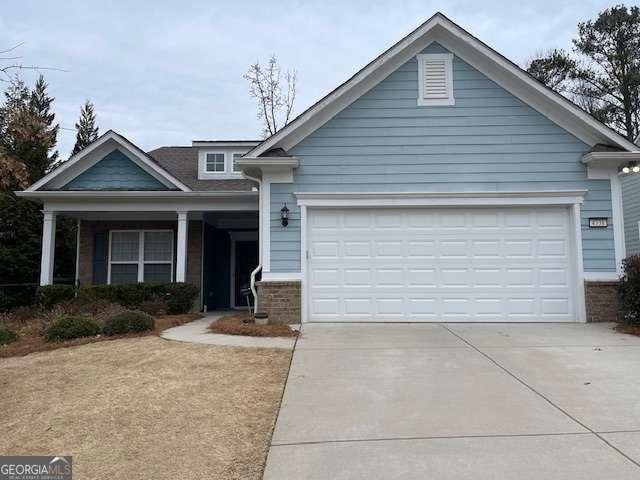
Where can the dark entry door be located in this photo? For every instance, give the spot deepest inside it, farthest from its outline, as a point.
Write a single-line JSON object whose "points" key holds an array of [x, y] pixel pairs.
{"points": [[246, 261]]}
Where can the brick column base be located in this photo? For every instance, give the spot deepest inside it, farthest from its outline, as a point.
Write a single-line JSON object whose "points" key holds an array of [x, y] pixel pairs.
{"points": [[602, 301], [280, 300]]}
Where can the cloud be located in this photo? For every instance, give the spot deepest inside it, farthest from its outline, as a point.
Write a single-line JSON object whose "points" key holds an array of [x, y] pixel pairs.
{"points": [[163, 73]]}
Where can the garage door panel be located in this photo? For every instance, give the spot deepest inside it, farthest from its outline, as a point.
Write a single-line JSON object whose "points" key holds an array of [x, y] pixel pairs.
{"points": [[484, 264]]}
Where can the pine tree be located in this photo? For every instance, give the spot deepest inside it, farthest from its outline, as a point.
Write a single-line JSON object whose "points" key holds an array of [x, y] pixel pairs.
{"points": [[45, 133], [86, 129]]}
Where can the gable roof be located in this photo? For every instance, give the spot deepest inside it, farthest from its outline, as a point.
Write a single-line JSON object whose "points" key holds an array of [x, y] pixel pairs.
{"points": [[440, 29], [79, 163]]}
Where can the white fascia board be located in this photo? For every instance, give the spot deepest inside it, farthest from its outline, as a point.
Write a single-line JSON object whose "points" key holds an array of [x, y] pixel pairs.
{"points": [[225, 143], [488, 61], [610, 158], [392, 199], [139, 156]]}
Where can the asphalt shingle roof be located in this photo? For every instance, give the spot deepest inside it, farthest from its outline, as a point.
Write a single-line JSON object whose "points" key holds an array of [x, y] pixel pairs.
{"points": [[182, 163]]}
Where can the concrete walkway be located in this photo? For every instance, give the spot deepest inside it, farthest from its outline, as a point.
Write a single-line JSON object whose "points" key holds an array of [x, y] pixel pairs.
{"points": [[196, 332], [490, 401]]}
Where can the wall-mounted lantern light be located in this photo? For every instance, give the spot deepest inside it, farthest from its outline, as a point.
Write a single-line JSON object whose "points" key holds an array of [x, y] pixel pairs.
{"points": [[284, 215]]}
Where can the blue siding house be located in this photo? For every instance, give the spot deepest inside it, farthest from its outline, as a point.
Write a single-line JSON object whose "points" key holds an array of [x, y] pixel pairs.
{"points": [[439, 183]]}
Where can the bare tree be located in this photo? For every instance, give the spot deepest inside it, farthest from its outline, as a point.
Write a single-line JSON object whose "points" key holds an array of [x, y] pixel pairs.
{"points": [[10, 64], [275, 93]]}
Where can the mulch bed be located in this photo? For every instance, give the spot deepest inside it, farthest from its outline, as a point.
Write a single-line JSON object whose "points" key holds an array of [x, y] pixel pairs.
{"points": [[242, 324], [30, 339], [628, 328]]}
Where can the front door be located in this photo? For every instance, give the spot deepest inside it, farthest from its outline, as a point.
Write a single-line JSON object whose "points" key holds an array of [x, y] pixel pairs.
{"points": [[245, 262]]}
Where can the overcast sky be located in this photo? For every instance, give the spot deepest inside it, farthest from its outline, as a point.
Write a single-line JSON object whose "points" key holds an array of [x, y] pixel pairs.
{"points": [[166, 73]]}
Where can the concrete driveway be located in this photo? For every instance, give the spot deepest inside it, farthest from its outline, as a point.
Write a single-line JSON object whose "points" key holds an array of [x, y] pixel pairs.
{"points": [[490, 401]]}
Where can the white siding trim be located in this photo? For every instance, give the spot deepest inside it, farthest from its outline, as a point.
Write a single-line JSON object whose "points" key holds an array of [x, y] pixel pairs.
{"points": [[578, 263], [601, 277], [618, 221], [304, 259], [181, 255], [281, 277], [265, 235], [391, 199]]}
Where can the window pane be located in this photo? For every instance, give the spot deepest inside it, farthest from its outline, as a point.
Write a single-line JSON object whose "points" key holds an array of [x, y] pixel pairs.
{"points": [[124, 246], [158, 246], [236, 156], [157, 273], [215, 162], [124, 273]]}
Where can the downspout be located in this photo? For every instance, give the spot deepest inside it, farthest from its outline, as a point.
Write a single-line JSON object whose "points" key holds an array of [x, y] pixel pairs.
{"points": [[260, 221]]}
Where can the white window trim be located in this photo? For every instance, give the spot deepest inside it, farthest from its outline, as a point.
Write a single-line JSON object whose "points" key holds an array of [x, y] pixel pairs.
{"points": [[141, 261], [206, 163], [228, 173], [448, 58]]}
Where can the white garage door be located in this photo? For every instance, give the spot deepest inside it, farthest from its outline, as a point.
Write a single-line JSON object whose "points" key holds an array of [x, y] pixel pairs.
{"points": [[445, 264]]}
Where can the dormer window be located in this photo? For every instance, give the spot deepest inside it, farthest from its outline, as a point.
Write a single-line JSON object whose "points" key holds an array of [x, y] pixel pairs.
{"points": [[214, 163], [435, 79], [236, 157]]}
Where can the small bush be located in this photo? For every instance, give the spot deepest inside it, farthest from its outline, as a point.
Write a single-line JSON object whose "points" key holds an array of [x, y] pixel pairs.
{"points": [[154, 307], [49, 295], [131, 321], [7, 335], [71, 326], [179, 297], [629, 290]]}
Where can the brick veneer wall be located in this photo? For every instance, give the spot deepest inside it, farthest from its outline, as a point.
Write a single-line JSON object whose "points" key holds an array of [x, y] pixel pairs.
{"points": [[280, 300], [88, 228], [602, 301]]}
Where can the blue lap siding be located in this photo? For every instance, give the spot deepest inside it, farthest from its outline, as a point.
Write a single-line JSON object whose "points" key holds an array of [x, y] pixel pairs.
{"points": [[115, 171], [488, 141]]}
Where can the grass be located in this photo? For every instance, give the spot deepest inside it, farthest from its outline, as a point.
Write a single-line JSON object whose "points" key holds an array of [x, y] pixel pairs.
{"points": [[30, 337], [145, 408], [241, 324]]}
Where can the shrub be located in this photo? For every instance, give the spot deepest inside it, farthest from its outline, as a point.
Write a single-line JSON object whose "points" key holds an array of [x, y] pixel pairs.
{"points": [[71, 326], [179, 297], [131, 321], [154, 307], [7, 335], [49, 295], [629, 290], [175, 298]]}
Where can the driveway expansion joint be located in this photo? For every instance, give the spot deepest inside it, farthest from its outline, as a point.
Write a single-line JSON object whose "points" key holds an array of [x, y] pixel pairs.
{"points": [[544, 397]]}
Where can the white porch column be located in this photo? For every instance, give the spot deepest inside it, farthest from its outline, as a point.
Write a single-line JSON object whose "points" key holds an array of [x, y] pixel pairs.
{"points": [[48, 247], [181, 254]]}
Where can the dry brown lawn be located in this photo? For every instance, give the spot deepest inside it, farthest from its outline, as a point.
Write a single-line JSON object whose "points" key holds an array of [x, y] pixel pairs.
{"points": [[144, 408]]}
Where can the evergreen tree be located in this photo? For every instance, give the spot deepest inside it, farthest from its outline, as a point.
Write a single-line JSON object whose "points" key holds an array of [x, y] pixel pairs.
{"points": [[27, 138], [86, 129], [602, 74]]}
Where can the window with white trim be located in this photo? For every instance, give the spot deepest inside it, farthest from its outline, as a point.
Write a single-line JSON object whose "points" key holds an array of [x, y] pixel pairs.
{"points": [[214, 163], [236, 157], [435, 79], [140, 256]]}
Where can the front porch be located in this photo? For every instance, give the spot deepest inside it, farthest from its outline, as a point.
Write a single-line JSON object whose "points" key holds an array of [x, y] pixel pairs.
{"points": [[214, 247]]}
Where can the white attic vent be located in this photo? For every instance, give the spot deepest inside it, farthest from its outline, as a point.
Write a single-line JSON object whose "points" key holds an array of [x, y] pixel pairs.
{"points": [[435, 79]]}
